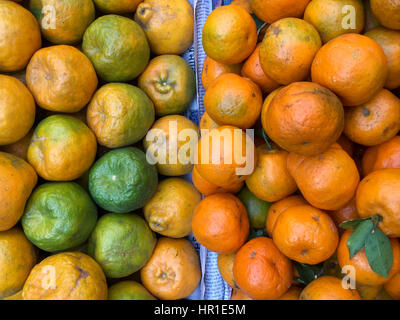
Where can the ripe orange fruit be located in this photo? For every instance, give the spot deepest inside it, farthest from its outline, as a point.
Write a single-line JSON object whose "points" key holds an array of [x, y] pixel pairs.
{"points": [[238, 294], [266, 105], [233, 100], [245, 4], [363, 272], [19, 148], [305, 234], [389, 40], [252, 69], [393, 286], [213, 69], [328, 288], [271, 180], [220, 223], [378, 193], [387, 12], [342, 64], [225, 267], [207, 123], [236, 159], [375, 121], [383, 156], [292, 294], [288, 49], [328, 180], [279, 207], [346, 213], [272, 10], [261, 270], [229, 34], [304, 118]]}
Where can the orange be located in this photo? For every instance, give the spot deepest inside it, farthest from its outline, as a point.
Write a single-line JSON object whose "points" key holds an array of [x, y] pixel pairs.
{"points": [[117, 6], [226, 156], [332, 18], [363, 272], [328, 288], [288, 49], [261, 270], [383, 156], [304, 118], [208, 188], [378, 193], [393, 286], [342, 64], [345, 213], [17, 258], [271, 180], [17, 110], [279, 207], [61, 78], [220, 223], [387, 12], [245, 4], [66, 276], [229, 34], [213, 69], [252, 69], [238, 294], [328, 180], [207, 123], [20, 36], [371, 21], [233, 100], [225, 267], [272, 10], [265, 106], [389, 40], [375, 121], [19, 148], [17, 180], [292, 294], [305, 234], [173, 271]]}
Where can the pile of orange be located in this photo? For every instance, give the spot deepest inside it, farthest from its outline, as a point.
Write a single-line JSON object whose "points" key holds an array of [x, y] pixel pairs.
{"points": [[322, 152]]}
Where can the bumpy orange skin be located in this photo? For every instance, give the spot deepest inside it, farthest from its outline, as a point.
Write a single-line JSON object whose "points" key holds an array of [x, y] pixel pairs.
{"points": [[261, 270], [225, 267], [20, 36], [213, 69], [252, 69], [305, 118], [66, 276], [328, 180], [173, 272], [341, 66], [265, 106], [233, 100], [17, 258], [229, 34], [346, 213], [288, 49], [236, 161], [305, 234], [276, 209], [392, 287], [363, 272], [273, 10], [328, 288], [207, 123], [61, 78], [387, 12], [220, 223], [378, 193], [271, 180], [375, 121], [17, 110], [17, 180], [389, 40], [327, 17], [383, 156]]}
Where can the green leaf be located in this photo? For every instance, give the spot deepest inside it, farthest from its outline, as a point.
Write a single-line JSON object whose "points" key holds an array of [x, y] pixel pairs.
{"points": [[307, 272], [378, 250], [352, 224], [356, 241]]}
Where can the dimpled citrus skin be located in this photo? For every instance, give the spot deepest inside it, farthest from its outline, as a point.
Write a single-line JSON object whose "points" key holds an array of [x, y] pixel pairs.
{"points": [[168, 25], [387, 12], [17, 258], [120, 114], [17, 180], [59, 216], [213, 69], [62, 148], [72, 17], [66, 276], [117, 47], [328, 288], [17, 110], [121, 243], [20, 36], [117, 6], [273, 10], [61, 78], [229, 34], [122, 180], [129, 290]]}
